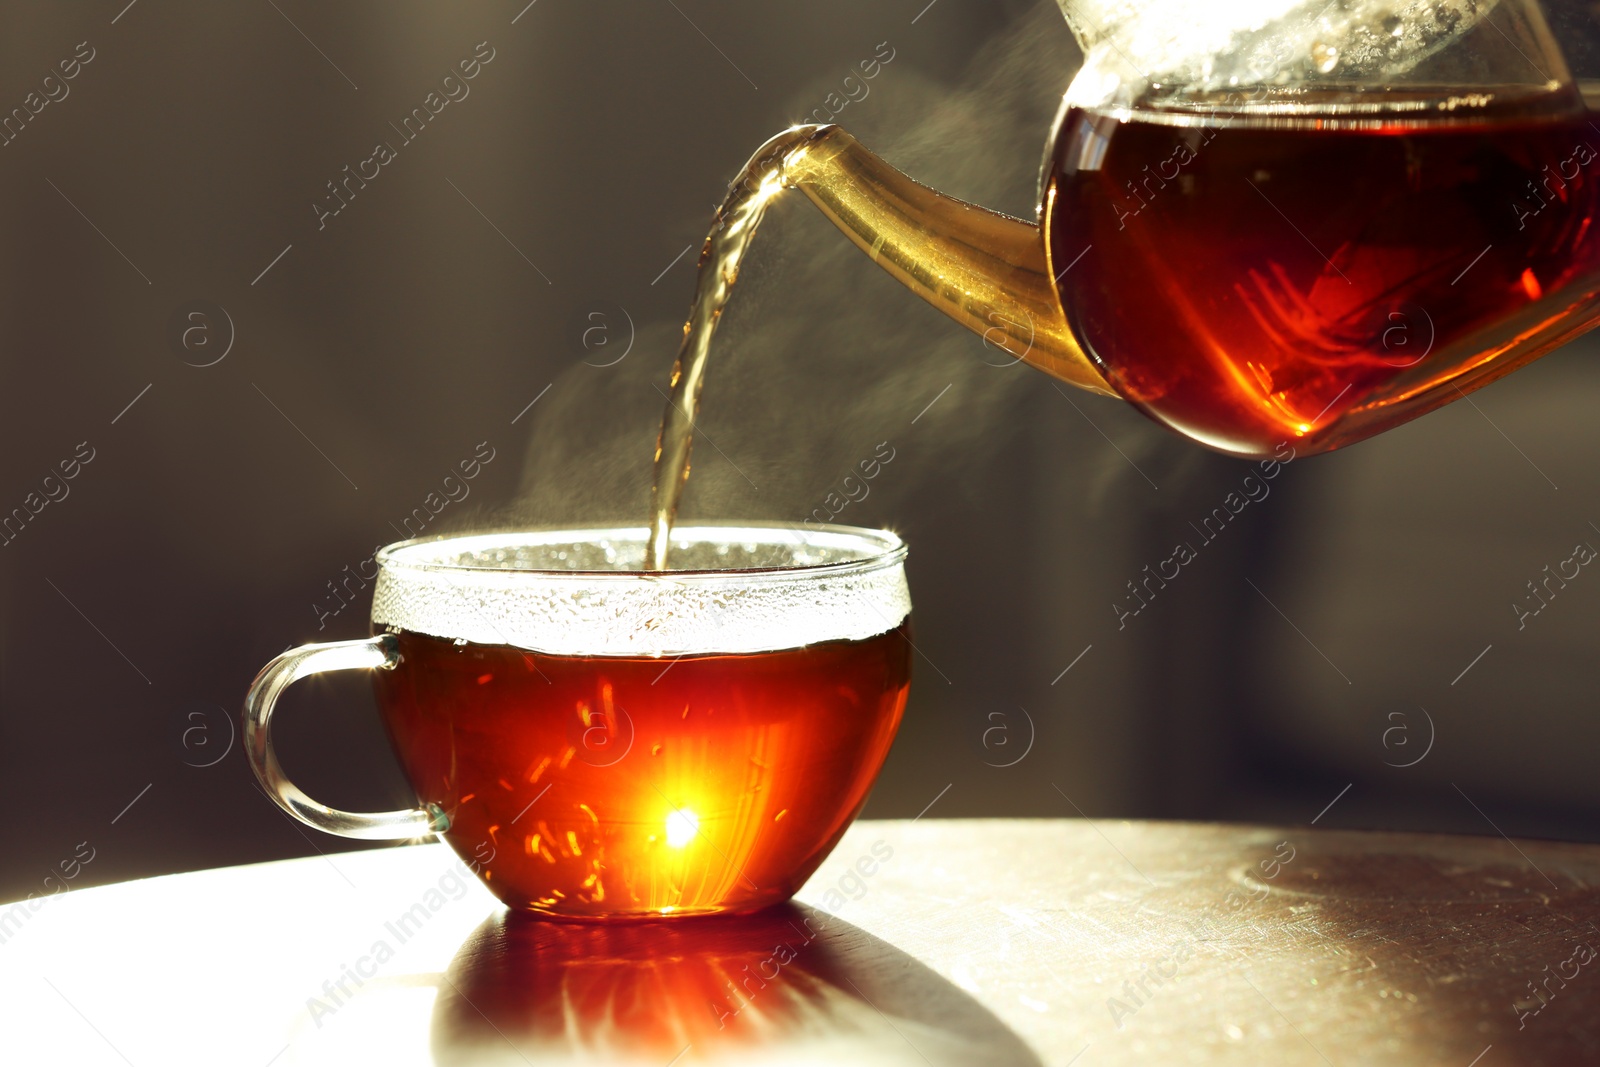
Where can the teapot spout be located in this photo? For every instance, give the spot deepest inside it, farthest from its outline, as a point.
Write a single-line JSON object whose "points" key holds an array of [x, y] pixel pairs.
{"points": [[986, 270]]}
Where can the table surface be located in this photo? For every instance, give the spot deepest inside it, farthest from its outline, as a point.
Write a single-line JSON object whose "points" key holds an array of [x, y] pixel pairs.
{"points": [[933, 942]]}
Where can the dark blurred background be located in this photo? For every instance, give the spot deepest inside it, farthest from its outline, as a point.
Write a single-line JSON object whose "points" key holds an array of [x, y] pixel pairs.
{"points": [[1350, 638]]}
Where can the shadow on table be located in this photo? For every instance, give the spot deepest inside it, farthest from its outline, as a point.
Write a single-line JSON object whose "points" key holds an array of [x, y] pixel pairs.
{"points": [[790, 984]]}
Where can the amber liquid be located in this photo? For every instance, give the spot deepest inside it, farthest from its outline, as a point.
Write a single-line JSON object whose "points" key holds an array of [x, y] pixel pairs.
{"points": [[619, 786], [733, 228], [1293, 279]]}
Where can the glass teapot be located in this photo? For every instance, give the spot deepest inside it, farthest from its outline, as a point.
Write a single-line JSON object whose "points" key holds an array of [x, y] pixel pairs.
{"points": [[1268, 220]]}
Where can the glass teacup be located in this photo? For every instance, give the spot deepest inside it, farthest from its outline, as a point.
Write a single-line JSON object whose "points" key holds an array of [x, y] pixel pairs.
{"points": [[600, 741]]}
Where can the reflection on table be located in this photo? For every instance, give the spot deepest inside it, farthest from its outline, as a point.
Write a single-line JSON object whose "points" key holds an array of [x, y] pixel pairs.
{"points": [[792, 981]]}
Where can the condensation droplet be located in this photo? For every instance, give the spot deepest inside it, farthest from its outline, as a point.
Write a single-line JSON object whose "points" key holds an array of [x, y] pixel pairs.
{"points": [[1325, 57]]}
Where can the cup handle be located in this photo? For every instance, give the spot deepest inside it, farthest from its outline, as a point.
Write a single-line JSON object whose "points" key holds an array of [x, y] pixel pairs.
{"points": [[381, 652]]}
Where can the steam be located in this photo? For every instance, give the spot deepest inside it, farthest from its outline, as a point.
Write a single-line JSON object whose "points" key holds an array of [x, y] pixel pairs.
{"points": [[822, 356]]}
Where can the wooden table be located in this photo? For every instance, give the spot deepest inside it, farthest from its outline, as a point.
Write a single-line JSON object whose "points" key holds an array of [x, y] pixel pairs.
{"points": [[972, 942]]}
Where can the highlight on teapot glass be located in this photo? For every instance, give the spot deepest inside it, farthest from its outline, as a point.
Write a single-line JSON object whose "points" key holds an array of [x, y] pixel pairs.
{"points": [[600, 741], [1264, 222]]}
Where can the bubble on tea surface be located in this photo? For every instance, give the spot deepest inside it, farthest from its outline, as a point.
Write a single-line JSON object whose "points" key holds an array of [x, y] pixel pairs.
{"points": [[732, 590]]}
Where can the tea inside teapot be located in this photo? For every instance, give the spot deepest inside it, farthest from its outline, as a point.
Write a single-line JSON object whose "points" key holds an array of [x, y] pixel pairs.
{"points": [[1287, 272]]}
